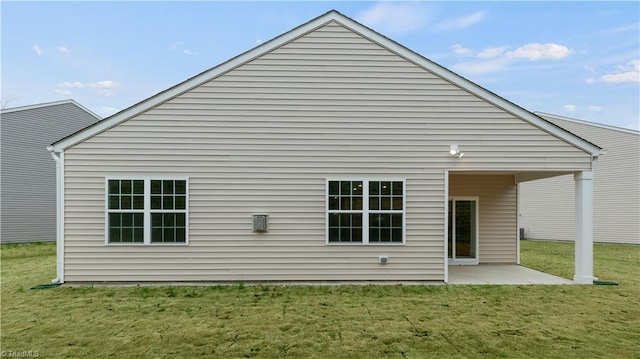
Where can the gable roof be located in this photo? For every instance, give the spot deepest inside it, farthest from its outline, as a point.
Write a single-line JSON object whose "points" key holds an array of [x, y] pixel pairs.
{"points": [[331, 16], [48, 104]]}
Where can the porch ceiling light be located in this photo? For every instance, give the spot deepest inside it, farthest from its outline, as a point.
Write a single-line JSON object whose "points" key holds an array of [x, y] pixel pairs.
{"points": [[454, 150]]}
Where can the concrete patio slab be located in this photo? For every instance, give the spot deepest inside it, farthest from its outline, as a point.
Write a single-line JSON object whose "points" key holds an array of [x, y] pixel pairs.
{"points": [[501, 274]]}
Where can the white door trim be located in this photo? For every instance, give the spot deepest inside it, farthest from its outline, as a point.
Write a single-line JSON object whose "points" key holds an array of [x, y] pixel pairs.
{"points": [[465, 261]]}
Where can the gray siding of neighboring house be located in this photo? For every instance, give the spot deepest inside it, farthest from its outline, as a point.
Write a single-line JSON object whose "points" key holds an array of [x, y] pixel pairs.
{"points": [[264, 138], [28, 212], [547, 206]]}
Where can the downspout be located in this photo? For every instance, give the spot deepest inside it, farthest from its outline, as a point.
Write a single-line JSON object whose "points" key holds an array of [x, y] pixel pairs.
{"points": [[59, 216]]}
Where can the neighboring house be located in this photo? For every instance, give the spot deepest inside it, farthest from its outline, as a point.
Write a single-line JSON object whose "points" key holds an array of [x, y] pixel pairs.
{"points": [[28, 192], [330, 153], [547, 205]]}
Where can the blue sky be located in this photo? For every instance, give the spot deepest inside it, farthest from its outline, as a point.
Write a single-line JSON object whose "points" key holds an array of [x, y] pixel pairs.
{"points": [[575, 59]]}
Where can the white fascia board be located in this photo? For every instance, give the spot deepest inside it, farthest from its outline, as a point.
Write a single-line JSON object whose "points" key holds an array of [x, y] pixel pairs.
{"points": [[300, 31], [588, 123], [474, 88], [468, 85]]}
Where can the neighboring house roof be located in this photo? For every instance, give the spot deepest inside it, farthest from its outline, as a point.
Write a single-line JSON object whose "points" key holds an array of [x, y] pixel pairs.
{"points": [[47, 104], [583, 122], [331, 16]]}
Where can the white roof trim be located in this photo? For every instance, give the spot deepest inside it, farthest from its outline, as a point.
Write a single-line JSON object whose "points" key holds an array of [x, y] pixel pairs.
{"points": [[589, 123], [300, 31], [196, 81], [47, 104]]}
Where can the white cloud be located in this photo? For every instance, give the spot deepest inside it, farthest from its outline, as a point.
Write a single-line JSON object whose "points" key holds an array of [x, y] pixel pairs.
{"points": [[462, 22], [594, 108], [394, 18], [481, 67], [258, 41], [63, 49], [179, 46], [628, 73], [107, 84], [494, 59], [624, 28], [630, 76], [491, 52], [106, 111], [103, 88], [105, 92], [590, 68], [36, 49], [461, 50], [538, 51], [589, 80], [571, 108], [70, 85]]}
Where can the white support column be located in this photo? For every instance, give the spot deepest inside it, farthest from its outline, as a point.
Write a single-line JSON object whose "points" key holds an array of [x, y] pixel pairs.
{"points": [[584, 227]]}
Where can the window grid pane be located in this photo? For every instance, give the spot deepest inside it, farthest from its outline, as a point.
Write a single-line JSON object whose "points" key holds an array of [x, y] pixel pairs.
{"points": [[386, 196], [168, 194], [126, 227], [385, 227], [168, 228], [385, 201], [345, 227], [345, 195], [126, 194], [127, 197]]}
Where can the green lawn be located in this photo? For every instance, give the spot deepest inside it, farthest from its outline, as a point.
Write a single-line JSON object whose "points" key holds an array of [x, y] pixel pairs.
{"points": [[327, 322]]}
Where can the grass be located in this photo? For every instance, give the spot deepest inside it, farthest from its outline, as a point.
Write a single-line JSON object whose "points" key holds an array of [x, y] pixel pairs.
{"points": [[327, 322]]}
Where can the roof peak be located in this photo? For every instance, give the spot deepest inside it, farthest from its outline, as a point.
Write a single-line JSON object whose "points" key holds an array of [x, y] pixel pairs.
{"points": [[302, 30]]}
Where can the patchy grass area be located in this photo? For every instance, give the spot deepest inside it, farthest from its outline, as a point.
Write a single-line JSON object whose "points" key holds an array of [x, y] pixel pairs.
{"points": [[328, 322]]}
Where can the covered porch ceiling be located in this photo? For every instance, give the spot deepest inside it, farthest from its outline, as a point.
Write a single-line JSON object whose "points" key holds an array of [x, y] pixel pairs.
{"points": [[519, 176]]}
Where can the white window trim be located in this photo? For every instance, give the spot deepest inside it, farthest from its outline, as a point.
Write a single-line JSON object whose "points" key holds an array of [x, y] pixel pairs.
{"points": [[147, 210], [365, 211]]}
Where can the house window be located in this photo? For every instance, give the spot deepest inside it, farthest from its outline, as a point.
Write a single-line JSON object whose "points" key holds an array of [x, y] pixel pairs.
{"points": [[126, 211], [386, 202], [147, 211], [345, 211], [365, 212], [168, 211]]}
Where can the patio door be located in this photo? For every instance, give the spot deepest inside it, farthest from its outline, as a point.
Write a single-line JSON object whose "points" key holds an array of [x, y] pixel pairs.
{"points": [[463, 230]]}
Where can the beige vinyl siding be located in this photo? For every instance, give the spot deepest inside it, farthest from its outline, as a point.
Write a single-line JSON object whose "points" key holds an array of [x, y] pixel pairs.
{"points": [[264, 137], [497, 197], [547, 206]]}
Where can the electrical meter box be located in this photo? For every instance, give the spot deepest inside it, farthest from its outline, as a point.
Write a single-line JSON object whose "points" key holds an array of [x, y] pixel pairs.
{"points": [[260, 223]]}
